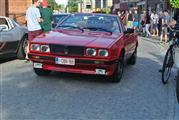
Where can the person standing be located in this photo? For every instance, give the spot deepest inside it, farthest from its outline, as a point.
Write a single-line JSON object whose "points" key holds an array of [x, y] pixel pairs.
{"points": [[160, 23], [165, 24], [155, 19], [147, 25], [136, 20], [130, 20], [46, 15], [33, 18]]}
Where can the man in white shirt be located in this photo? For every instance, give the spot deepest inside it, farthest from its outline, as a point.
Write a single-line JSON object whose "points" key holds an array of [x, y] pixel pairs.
{"points": [[33, 18]]}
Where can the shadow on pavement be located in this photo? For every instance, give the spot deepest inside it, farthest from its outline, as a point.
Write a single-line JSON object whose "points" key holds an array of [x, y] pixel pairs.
{"points": [[8, 58]]}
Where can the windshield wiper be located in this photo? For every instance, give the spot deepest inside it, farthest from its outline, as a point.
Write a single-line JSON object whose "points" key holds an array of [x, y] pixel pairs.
{"points": [[68, 26], [98, 29]]}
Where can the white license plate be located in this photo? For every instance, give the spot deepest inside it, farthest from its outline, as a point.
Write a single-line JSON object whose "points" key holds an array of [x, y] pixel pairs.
{"points": [[65, 61], [37, 65]]}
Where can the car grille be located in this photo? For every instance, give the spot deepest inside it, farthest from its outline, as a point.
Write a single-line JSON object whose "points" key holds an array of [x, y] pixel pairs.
{"points": [[67, 50]]}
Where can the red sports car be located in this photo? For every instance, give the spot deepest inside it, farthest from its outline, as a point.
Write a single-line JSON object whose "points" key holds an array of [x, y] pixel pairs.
{"points": [[85, 43]]}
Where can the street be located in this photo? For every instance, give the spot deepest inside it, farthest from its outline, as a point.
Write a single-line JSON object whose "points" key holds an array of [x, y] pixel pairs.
{"points": [[139, 96]]}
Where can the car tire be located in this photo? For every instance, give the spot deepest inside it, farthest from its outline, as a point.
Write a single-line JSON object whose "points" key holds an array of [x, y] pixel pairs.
{"points": [[132, 60], [117, 75], [21, 53], [41, 72]]}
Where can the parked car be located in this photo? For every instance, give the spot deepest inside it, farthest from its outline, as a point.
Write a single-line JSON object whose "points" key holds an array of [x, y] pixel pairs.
{"points": [[84, 43], [13, 38], [57, 18]]}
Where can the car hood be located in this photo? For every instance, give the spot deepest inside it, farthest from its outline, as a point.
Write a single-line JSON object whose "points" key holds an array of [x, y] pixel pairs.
{"points": [[92, 39]]}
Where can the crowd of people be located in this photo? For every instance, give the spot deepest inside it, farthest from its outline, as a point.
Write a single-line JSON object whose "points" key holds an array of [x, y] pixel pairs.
{"points": [[149, 24]]}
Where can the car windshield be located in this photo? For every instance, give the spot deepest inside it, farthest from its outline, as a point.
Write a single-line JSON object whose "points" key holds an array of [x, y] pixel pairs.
{"points": [[91, 22], [57, 18]]}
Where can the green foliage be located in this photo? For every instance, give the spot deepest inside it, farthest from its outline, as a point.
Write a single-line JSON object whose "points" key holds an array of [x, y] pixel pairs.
{"points": [[73, 5], [174, 3], [53, 5]]}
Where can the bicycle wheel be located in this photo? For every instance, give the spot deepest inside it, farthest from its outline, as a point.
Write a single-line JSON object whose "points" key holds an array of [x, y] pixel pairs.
{"points": [[177, 86], [167, 65]]}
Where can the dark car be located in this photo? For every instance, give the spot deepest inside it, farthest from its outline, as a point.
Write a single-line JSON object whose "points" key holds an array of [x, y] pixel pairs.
{"points": [[94, 44], [13, 38], [57, 18]]}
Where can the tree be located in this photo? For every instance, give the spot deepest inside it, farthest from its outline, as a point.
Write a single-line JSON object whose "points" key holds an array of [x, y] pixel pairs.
{"points": [[174, 3], [53, 5], [73, 5]]}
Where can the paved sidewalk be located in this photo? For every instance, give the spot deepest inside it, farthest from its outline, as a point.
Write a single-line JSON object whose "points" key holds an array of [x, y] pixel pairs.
{"points": [[163, 48]]}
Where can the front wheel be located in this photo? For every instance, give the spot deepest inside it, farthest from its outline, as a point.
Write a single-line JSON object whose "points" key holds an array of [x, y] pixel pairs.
{"points": [[22, 50], [177, 86], [167, 65], [117, 75], [41, 72], [132, 60]]}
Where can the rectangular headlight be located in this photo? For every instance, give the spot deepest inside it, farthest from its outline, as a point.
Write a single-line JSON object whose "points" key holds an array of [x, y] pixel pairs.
{"points": [[35, 47], [103, 53], [90, 52], [45, 48]]}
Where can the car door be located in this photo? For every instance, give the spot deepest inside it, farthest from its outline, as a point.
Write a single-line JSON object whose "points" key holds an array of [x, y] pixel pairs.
{"points": [[8, 37], [127, 41]]}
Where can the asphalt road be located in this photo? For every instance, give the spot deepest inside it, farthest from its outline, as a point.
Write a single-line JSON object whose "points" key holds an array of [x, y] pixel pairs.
{"points": [[139, 96]]}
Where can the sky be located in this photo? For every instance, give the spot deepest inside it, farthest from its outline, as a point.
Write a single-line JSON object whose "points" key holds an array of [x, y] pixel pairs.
{"points": [[62, 2]]}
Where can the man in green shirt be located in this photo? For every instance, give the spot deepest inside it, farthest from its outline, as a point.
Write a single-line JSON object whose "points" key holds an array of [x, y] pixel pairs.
{"points": [[46, 15]]}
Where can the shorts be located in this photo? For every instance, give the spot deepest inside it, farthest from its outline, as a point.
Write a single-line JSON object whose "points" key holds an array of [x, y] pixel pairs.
{"points": [[164, 30], [155, 26], [136, 24]]}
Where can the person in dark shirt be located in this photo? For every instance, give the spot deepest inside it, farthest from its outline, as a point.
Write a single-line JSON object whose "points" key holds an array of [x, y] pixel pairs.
{"points": [[147, 24], [160, 23], [176, 18]]}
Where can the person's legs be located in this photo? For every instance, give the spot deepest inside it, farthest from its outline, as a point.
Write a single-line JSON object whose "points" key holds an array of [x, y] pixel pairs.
{"points": [[147, 30], [31, 36], [161, 35], [156, 31], [153, 32], [161, 38], [166, 34]]}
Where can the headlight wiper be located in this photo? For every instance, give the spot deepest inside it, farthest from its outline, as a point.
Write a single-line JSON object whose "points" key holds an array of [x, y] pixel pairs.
{"points": [[68, 26]]}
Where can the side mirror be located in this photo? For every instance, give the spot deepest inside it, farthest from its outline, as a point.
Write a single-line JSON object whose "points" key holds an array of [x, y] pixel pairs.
{"points": [[129, 30], [54, 25], [3, 27]]}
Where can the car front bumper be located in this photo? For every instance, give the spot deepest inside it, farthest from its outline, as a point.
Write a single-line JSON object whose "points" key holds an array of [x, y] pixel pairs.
{"points": [[82, 65]]}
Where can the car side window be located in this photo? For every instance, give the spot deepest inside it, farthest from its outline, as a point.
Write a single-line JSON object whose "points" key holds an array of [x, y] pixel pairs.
{"points": [[116, 28], [120, 26], [4, 24]]}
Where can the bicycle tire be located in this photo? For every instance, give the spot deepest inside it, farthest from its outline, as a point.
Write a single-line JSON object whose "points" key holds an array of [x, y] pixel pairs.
{"points": [[167, 65], [177, 86]]}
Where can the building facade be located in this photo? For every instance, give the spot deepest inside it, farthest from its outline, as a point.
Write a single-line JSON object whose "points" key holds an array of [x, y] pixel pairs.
{"points": [[15, 9], [141, 5], [93, 5], [2, 8]]}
